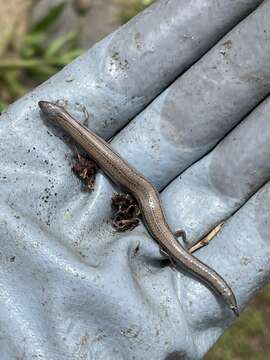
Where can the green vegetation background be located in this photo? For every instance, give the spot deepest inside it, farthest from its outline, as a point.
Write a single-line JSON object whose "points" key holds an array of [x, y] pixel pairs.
{"points": [[38, 57]]}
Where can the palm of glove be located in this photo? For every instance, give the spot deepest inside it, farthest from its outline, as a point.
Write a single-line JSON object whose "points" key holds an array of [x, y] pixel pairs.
{"points": [[72, 286]]}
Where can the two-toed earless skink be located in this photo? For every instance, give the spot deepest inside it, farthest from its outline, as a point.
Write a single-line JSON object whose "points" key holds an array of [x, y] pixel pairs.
{"points": [[146, 195]]}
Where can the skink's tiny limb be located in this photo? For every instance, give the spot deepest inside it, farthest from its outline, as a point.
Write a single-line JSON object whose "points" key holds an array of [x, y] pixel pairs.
{"points": [[181, 233]]}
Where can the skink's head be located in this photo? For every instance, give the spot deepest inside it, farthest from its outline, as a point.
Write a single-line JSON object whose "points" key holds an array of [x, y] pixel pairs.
{"points": [[50, 109]]}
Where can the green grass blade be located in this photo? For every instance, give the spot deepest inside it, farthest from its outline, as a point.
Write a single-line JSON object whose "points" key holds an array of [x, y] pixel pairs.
{"points": [[49, 19]]}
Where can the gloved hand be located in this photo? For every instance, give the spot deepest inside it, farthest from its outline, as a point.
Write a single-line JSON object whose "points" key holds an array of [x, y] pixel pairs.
{"points": [[74, 288]]}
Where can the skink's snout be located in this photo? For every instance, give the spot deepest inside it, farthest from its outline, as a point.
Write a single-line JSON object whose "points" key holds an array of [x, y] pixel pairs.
{"points": [[49, 109]]}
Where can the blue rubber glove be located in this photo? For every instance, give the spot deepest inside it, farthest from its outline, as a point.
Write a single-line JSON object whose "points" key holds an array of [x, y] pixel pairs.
{"points": [[181, 89]]}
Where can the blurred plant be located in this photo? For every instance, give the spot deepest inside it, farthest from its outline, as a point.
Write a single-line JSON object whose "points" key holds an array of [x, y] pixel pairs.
{"points": [[39, 56], [131, 8]]}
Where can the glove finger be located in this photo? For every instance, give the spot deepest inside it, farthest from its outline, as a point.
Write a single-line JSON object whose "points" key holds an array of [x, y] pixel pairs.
{"points": [[194, 113], [211, 190], [121, 74]]}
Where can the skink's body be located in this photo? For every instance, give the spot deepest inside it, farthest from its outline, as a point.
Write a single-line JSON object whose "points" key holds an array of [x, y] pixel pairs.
{"points": [[146, 195]]}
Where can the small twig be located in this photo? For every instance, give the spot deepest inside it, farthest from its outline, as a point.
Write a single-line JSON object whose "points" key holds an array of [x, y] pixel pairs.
{"points": [[206, 240]]}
